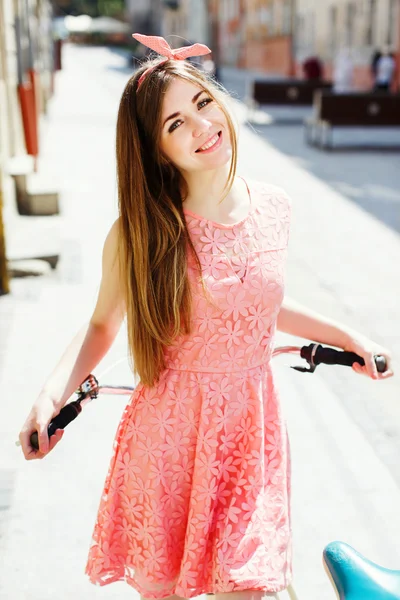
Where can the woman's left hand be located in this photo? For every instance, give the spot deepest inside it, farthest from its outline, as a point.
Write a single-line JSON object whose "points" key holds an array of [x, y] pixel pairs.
{"points": [[368, 350]]}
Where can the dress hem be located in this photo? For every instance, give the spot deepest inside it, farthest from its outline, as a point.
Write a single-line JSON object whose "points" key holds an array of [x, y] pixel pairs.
{"points": [[111, 577]]}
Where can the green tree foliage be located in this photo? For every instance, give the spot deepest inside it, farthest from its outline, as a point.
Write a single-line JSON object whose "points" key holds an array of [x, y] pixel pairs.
{"points": [[93, 8], [111, 8]]}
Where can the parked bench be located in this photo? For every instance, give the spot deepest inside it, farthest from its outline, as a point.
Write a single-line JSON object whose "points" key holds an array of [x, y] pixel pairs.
{"points": [[34, 196], [378, 109], [290, 92], [29, 237]]}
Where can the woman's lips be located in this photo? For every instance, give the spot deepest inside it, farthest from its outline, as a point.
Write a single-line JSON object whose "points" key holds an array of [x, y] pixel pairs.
{"points": [[214, 146]]}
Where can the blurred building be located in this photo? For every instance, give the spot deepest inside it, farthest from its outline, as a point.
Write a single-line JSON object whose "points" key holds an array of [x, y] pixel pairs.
{"points": [[26, 84], [266, 35], [361, 25], [186, 21], [145, 16], [275, 36], [255, 34], [26, 65], [231, 31]]}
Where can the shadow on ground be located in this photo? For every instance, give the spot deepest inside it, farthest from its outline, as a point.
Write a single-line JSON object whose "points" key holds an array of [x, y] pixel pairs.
{"points": [[363, 165]]}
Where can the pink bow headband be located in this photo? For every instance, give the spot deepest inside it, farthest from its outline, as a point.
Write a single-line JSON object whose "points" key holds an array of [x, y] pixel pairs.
{"points": [[161, 46]]}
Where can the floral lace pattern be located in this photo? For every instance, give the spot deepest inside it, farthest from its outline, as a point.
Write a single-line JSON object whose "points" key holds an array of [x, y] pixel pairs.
{"points": [[197, 496]]}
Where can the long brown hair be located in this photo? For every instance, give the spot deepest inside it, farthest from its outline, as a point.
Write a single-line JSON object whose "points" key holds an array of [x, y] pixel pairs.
{"points": [[154, 240]]}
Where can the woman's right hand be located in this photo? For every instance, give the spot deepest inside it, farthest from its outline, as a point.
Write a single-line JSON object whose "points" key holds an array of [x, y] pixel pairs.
{"points": [[38, 420]]}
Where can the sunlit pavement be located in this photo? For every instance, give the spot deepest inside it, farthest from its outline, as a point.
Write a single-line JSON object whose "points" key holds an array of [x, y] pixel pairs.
{"points": [[363, 165], [344, 429]]}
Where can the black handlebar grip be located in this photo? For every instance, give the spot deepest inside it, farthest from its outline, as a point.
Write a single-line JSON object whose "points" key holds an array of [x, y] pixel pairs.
{"points": [[64, 417], [330, 356]]}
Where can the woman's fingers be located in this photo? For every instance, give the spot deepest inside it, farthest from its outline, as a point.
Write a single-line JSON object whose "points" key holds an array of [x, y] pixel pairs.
{"points": [[43, 439], [52, 442], [25, 444], [370, 365], [386, 374], [389, 371], [32, 454], [364, 370], [359, 369], [368, 350], [56, 438]]}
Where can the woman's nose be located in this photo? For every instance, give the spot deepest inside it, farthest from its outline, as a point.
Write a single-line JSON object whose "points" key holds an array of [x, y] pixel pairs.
{"points": [[200, 126]]}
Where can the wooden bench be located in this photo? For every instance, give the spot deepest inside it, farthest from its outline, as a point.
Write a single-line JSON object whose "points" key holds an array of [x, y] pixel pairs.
{"points": [[290, 92], [377, 109], [283, 94]]}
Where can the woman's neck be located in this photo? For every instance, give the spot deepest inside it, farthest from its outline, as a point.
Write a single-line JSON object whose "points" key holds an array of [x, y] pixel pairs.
{"points": [[206, 188], [208, 193]]}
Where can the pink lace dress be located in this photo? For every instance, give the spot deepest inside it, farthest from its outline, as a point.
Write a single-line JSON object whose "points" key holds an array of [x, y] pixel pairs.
{"points": [[196, 498]]}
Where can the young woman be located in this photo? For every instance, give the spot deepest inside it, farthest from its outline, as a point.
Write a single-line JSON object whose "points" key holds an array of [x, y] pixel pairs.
{"points": [[196, 499]]}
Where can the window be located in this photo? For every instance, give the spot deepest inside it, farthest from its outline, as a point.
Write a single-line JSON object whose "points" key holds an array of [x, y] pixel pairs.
{"points": [[264, 19], [333, 29], [272, 18], [287, 17], [350, 22], [300, 37], [371, 17], [392, 23], [304, 34], [225, 10], [311, 32]]}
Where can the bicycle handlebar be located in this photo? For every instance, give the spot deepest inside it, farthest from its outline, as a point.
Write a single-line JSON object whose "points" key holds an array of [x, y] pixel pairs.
{"points": [[66, 415], [314, 354]]}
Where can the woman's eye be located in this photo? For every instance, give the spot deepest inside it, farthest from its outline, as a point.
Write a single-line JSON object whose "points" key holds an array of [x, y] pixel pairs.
{"points": [[174, 125], [204, 102], [200, 105]]}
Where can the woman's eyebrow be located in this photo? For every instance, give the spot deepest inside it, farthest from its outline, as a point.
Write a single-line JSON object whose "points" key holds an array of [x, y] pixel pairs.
{"points": [[176, 114]]}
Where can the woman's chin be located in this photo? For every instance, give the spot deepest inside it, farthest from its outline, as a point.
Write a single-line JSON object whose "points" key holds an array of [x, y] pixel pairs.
{"points": [[219, 160]]}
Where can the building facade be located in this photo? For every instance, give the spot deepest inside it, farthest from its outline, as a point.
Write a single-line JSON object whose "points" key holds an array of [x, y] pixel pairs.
{"points": [[26, 84], [145, 16], [363, 26], [275, 36], [187, 21], [266, 36]]}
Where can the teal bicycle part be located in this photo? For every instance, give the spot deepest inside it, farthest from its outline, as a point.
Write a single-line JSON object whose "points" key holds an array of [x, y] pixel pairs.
{"points": [[354, 577]]}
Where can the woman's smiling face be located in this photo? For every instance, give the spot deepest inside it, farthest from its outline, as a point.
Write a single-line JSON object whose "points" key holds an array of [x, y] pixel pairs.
{"points": [[194, 130]]}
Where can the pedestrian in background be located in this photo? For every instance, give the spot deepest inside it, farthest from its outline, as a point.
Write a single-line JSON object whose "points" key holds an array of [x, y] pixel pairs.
{"points": [[375, 57], [313, 69], [343, 72], [197, 496], [385, 69]]}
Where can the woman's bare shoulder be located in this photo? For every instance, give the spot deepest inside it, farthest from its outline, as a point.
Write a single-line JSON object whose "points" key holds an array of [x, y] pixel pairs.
{"points": [[270, 191], [112, 239], [269, 188]]}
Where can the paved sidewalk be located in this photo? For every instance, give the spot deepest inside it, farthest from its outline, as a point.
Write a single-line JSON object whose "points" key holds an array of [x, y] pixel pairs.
{"points": [[363, 167], [344, 429]]}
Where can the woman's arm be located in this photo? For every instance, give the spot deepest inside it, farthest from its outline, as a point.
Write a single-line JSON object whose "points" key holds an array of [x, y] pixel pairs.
{"points": [[94, 340], [303, 322], [82, 355]]}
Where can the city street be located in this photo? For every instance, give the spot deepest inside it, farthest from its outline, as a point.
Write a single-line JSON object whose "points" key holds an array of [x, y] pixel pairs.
{"points": [[365, 160], [343, 262]]}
